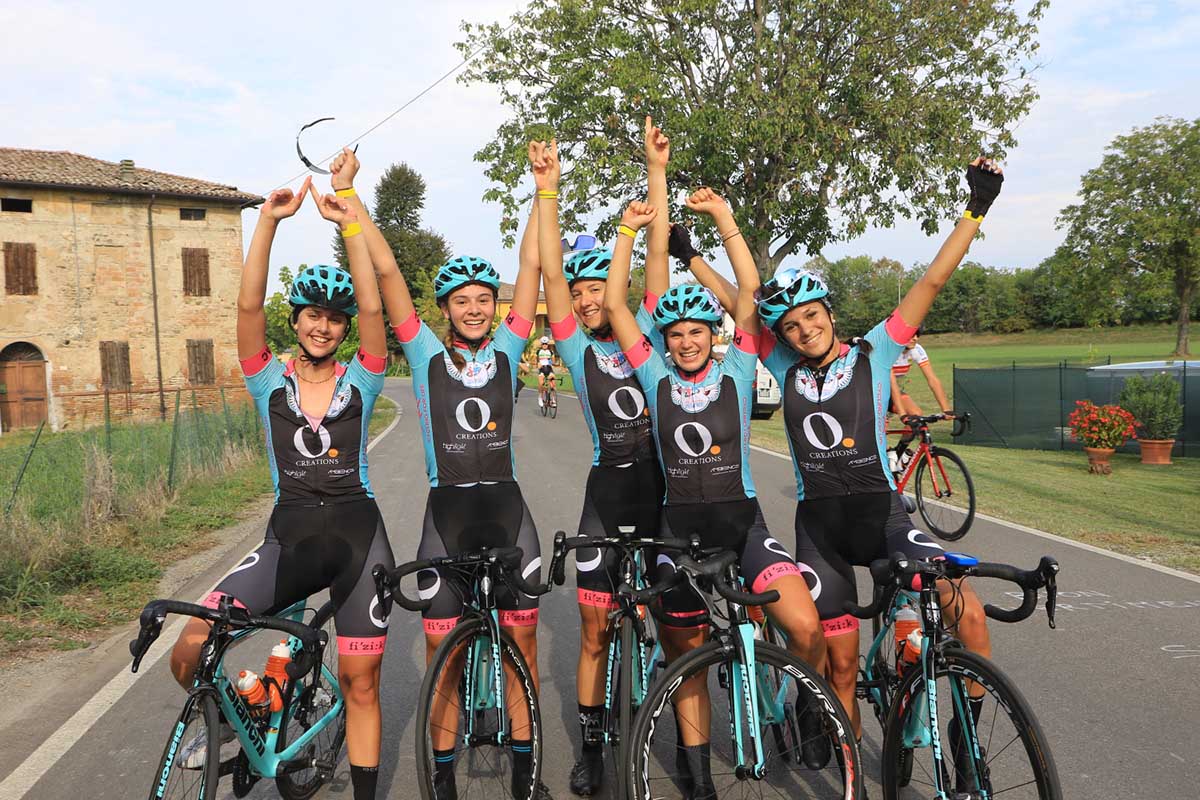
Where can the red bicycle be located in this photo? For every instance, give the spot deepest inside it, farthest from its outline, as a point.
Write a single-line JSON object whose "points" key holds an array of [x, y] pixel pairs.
{"points": [[945, 493]]}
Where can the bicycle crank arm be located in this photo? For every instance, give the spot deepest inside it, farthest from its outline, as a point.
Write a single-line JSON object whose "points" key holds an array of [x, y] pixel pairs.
{"points": [[303, 761]]}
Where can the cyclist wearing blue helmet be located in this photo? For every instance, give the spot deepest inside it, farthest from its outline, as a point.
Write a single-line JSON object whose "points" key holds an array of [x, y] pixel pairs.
{"points": [[625, 485], [325, 531], [464, 390], [700, 409], [835, 402]]}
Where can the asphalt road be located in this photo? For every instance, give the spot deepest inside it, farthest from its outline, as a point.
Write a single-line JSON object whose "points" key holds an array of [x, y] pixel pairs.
{"points": [[1115, 686]]}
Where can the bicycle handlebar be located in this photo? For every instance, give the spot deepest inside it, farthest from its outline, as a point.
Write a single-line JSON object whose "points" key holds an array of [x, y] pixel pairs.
{"points": [[899, 570], [712, 568], [387, 582], [155, 613], [563, 544]]}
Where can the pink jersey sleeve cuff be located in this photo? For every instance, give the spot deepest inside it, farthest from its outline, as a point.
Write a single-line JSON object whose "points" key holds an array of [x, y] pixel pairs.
{"points": [[639, 353], [518, 324], [407, 331], [255, 363], [650, 302], [766, 344], [562, 330], [375, 364], [899, 330], [746, 342]]}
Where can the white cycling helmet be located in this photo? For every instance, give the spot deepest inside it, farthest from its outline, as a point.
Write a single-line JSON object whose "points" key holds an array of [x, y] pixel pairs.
{"points": [[545, 340]]}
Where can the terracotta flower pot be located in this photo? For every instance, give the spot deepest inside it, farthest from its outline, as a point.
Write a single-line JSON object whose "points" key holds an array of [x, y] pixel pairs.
{"points": [[1099, 460], [1156, 451]]}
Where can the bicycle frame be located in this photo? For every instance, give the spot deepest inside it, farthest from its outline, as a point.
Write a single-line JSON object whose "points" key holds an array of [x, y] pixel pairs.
{"points": [[632, 573], [483, 669], [265, 760]]}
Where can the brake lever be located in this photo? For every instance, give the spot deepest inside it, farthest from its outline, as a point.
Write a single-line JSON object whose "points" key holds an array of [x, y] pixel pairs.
{"points": [[1051, 598]]}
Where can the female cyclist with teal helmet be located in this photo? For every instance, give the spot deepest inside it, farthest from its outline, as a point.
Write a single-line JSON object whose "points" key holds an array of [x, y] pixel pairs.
{"points": [[625, 485], [315, 412], [464, 390], [700, 409], [835, 401]]}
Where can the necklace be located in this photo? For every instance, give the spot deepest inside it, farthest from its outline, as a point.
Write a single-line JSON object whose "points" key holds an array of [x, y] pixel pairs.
{"points": [[316, 383]]}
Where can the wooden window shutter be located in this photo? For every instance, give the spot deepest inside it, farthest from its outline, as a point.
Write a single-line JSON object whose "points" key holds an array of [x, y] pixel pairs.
{"points": [[201, 369], [195, 272], [20, 268], [114, 365]]}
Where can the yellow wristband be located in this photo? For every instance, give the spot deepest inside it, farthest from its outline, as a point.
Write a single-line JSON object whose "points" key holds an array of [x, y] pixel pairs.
{"points": [[628, 231], [346, 192], [547, 194], [353, 229], [973, 217]]}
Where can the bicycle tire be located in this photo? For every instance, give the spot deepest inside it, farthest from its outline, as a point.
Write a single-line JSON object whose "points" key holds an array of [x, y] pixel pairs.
{"points": [[461, 637], [939, 519], [543, 403], [171, 780], [553, 404], [786, 734], [624, 710], [646, 754], [312, 700], [956, 666]]}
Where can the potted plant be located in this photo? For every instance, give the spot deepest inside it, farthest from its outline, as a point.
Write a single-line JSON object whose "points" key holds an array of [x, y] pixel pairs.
{"points": [[1155, 404], [1101, 430]]}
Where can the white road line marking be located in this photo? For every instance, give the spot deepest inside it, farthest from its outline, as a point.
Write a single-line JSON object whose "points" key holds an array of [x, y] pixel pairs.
{"points": [[39, 762], [1187, 576]]}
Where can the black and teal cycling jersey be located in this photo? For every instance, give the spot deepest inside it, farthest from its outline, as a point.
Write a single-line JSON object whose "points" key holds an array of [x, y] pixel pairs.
{"points": [[614, 406], [836, 418], [702, 421], [311, 460], [465, 414]]}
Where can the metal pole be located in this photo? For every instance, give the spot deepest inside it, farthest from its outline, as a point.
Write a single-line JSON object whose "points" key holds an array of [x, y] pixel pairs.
{"points": [[107, 424], [162, 401], [174, 444], [1061, 366], [24, 465]]}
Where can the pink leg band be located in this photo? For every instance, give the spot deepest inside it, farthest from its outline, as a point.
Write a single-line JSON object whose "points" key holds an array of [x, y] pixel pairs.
{"points": [[361, 645]]}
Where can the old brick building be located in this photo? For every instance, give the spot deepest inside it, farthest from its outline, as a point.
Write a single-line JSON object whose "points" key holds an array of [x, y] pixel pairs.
{"points": [[117, 279]]}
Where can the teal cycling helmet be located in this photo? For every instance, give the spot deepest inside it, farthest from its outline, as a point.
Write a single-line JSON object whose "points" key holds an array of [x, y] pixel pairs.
{"points": [[588, 265], [790, 287], [325, 287], [687, 301], [463, 271]]}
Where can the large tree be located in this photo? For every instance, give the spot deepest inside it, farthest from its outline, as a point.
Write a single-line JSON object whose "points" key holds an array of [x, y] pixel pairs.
{"points": [[1139, 212], [815, 118]]}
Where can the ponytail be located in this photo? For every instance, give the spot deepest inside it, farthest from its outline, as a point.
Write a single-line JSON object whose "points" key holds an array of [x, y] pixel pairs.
{"points": [[455, 356]]}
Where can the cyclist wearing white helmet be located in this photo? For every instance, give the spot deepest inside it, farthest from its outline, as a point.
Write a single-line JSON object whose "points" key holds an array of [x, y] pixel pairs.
{"points": [[545, 365]]}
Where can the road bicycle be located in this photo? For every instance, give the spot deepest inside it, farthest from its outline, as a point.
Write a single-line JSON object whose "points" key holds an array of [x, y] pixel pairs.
{"points": [[478, 694], [633, 652], [548, 397], [945, 493], [923, 698], [754, 689], [298, 745]]}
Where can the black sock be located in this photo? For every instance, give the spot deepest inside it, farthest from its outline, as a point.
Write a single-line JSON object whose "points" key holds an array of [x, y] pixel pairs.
{"points": [[443, 761], [522, 750], [364, 779], [591, 721]]}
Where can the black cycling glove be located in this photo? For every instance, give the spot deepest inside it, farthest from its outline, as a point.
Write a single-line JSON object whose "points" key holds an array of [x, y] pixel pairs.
{"points": [[985, 188], [679, 245]]}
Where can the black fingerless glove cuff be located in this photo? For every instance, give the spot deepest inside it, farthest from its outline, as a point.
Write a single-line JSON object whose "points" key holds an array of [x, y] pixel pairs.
{"points": [[985, 188], [679, 245]]}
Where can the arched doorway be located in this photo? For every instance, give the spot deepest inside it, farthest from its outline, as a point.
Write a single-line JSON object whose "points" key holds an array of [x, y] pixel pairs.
{"points": [[22, 386]]}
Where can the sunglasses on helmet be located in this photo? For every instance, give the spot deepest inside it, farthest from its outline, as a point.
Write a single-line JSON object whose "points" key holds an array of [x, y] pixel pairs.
{"points": [[779, 283], [582, 242]]}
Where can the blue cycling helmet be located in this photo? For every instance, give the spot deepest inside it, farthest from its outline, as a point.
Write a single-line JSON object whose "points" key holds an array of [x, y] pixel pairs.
{"points": [[790, 287], [588, 265], [462, 271], [326, 287], [687, 301]]}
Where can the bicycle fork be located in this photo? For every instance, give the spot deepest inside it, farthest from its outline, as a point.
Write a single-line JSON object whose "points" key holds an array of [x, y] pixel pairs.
{"points": [[743, 695]]}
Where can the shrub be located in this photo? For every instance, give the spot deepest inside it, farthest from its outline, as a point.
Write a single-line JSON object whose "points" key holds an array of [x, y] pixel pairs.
{"points": [[1155, 404], [1100, 426]]}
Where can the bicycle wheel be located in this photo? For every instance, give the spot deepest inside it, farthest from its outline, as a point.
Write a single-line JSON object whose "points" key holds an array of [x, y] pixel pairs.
{"points": [[884, 671], [654, 771], [785, 729], [945, 494], [1014, 760], [469, 723], [312, 700], [623, 709], [553, 395], [193, 739], [543, 403]]}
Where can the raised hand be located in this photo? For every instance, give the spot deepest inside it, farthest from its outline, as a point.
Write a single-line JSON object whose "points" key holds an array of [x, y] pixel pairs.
{"points": [[638, 215], [706, 201], [343, 169], [984, 177], [333, 208], [283, 203], [658, 146], [543, 159]]}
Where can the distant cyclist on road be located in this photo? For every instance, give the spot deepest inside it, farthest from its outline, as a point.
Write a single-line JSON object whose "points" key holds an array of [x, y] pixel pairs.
{"points": [[464, 388], [902, 403], [545, 365], [325, 531], [625, 485]]}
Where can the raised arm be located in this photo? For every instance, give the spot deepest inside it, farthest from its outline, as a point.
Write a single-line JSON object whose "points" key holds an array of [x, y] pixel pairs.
{"points": [[372, 336], [984, 177], [935, 385], [547, 170], [744, 311], [251, 319], [397, 298], [658, 154], [616, 293], [525, 291]]}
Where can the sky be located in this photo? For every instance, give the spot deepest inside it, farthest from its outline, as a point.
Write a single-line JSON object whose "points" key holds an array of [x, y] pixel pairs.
{"points": [[219, 90]]}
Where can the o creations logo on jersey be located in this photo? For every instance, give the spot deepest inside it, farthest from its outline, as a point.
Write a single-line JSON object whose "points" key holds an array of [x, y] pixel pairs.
{"points": [[825, 434], [323, 455], [628, 404], [697, 441]]}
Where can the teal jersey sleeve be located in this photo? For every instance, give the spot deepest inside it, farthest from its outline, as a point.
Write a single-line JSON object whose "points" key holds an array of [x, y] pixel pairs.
{"points": [[571, 347], [649, 366], [367, 381], [512, 344], [266, 380], [421, 349], [646, 326], [739, 364], [884, 348]]}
